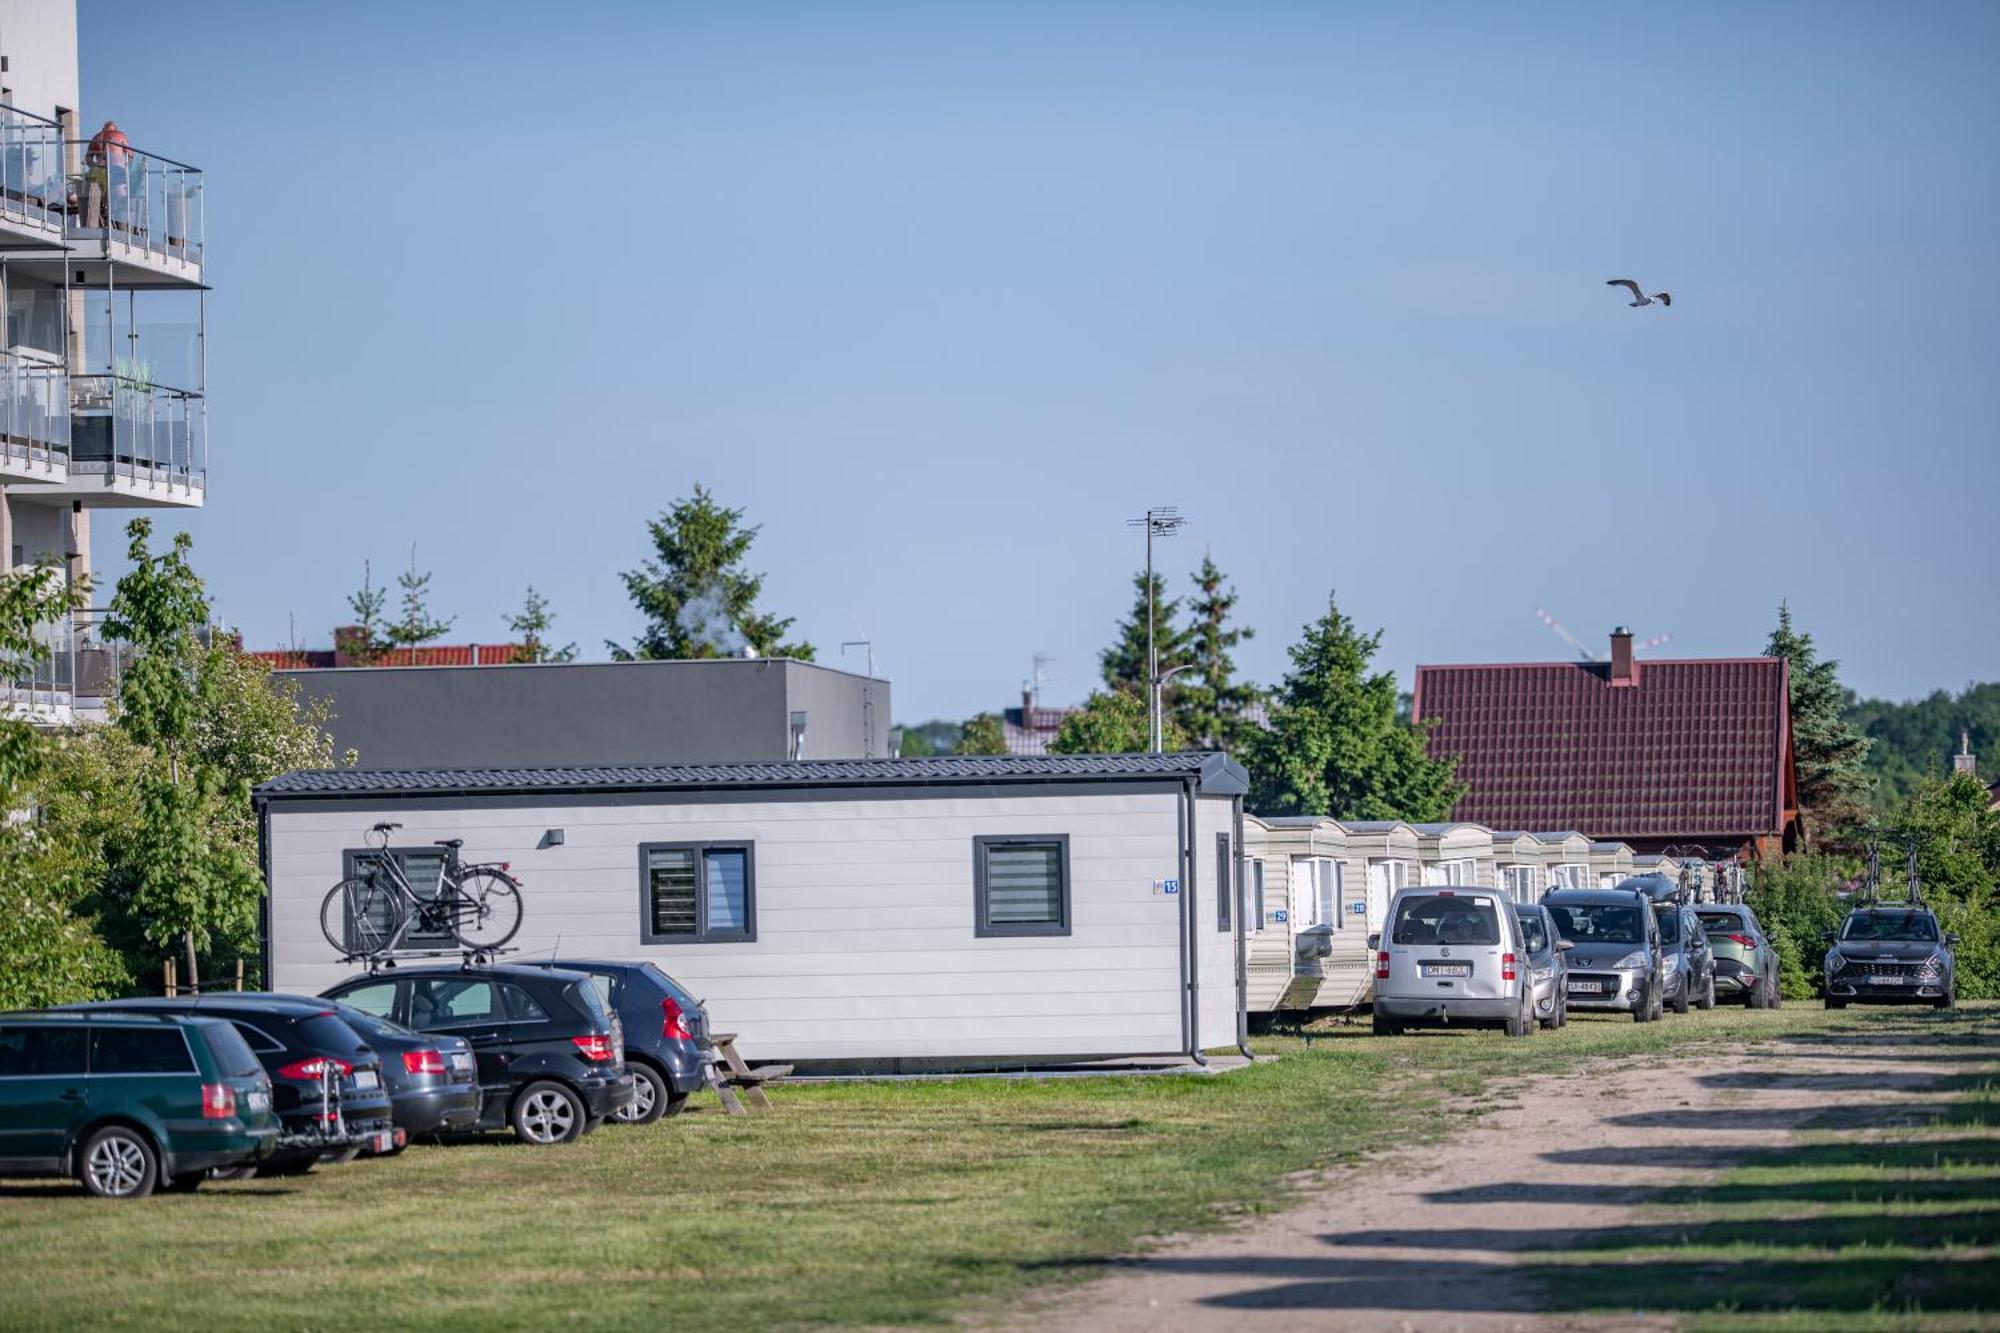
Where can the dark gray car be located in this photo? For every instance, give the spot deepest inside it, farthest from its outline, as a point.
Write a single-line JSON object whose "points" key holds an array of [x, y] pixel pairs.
{"points": [[666, 1033], [1688, 960], [1891, 954], [1617, 964]]}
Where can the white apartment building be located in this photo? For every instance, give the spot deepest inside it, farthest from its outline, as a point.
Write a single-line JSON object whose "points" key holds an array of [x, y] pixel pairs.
{"points": [[103, 365]]}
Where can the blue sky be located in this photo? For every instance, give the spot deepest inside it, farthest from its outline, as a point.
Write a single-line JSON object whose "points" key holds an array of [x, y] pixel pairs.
{"points": [[942, 294]]}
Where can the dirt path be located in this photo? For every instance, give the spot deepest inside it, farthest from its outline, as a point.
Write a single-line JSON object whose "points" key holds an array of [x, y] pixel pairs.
{"points": [[1427, 1241]]}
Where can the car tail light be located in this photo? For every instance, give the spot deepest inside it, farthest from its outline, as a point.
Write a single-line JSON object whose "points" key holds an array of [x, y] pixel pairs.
{"points": [[218, 1101], [315, 1069], [596, 1048], [675, 1028], [1743, 940], [424, 1062], [1382, 966], [1506, 967]]}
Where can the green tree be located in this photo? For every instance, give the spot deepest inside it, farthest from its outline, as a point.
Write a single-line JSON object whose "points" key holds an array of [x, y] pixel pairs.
{"points": [[1831, 753], [1796, 899], [533, 624], [1114, 722], [1957, 836], [1124, 662], [1210, 703], [191, 881], [938, 736], [49, 953], [1334, 746], [1915, 740], [697, 598], [984, 734], [363, 642], [417, 625]]}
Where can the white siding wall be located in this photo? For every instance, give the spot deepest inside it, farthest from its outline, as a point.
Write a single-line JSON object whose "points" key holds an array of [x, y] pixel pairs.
{"points": [[1215, 816], [865, 946]]}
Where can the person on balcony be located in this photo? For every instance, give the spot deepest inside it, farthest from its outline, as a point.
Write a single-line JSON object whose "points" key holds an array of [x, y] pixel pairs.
{"points": [[107, 167]]}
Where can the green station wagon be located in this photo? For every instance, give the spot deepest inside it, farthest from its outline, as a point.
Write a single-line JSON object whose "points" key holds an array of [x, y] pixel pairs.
{"points": [[127, 1103]]}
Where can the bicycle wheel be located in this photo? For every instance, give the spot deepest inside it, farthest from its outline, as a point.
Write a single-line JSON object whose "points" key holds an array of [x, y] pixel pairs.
{"points": [[486, 910], [360, 916]]}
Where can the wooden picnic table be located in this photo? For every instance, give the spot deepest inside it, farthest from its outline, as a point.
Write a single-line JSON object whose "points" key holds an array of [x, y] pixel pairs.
{"points": [[733, 1073]]}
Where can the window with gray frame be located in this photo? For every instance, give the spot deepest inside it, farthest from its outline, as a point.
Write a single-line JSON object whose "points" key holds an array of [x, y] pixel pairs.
{"points": [[697, 892], [1256, 922], [1225, 881], [424, 868], [1020, 885]]}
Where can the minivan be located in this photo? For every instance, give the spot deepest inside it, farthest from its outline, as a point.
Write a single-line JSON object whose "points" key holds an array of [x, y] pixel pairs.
{"points": [[1452, 957], [129, 1103]]}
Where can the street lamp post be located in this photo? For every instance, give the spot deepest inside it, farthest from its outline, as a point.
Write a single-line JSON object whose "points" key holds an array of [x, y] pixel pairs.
{"points": [[1157, 737], [1161, 521]]}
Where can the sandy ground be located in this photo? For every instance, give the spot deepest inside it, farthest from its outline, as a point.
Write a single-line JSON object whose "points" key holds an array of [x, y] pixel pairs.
{"points": [[1427, 1241]]}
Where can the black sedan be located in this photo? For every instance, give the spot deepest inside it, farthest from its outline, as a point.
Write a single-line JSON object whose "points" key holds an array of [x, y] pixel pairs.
{"points": [[433, 1079]]}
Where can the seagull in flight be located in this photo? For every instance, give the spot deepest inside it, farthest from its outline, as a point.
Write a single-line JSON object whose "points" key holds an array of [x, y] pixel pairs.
{"points": [[1639, 298]]}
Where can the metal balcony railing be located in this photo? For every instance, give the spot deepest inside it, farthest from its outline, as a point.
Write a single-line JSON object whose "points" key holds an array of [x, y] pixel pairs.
{"points": [[146, 201], [34, 412], [124, 426], [33, 189]]}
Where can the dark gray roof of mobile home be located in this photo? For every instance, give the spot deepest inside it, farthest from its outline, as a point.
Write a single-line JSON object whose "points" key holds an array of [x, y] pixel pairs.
{"points": [[1215, 773]]}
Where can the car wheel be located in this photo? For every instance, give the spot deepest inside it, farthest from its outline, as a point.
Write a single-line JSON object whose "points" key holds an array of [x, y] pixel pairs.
{"points": [[1387, 1027], [547, 1113], [343, 1157], [233, 1173], [1950, 997], [649, 1097], [1681, 1000], [119, 1162], [1707, 1000], [675, 1104], [1832, 1003]]}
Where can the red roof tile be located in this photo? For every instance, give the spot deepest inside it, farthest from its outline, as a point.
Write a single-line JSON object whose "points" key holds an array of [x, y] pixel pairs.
{"points": [[1693, 749]]}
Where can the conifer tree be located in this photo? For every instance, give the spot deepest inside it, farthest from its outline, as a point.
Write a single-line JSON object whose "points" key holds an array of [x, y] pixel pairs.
{"points": [[1831, 753], [1124, 662], [697, 598], [1210, 703]]}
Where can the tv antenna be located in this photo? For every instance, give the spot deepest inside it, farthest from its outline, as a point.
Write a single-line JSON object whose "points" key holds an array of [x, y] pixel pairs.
{"points": [[1587, 654]]}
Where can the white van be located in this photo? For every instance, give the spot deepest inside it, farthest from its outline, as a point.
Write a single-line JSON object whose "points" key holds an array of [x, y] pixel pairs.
{"points": [[1452, 957]]}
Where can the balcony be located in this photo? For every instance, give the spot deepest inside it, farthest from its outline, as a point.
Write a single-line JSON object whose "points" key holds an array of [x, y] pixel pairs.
{"points": [[34, 421], [34, 191], [135, 443], [138, 212], [42, 689]]}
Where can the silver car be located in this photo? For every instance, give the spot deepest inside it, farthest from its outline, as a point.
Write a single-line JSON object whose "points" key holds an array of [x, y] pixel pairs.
{"points": [[1548, 964], [1452, 958], [1618, 964]]}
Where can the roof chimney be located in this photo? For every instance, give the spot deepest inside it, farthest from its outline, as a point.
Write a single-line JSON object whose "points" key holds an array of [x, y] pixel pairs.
{"points": [[1963, 762], [1624, 671]]}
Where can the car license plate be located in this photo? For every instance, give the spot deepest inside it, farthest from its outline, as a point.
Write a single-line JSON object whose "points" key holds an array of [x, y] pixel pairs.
{"points": [[383, 1142], [1587, 987], [1444, 969], [1879, 979], [366, 1078], [461, 1060], [259, 1100]]}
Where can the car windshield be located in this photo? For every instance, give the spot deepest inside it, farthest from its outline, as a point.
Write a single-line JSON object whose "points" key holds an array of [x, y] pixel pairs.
{"points": [[1427, 918], [1532, 928], [1598, 923], [1890, 926], [1670, 925], [232, 1054]]}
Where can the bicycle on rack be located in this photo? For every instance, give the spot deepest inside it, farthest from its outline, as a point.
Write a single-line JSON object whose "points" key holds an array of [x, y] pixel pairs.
{"points": [[369, 914]]}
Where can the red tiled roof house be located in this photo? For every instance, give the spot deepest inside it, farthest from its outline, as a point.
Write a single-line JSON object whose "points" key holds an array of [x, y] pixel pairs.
{"points": [[1655, 754]]}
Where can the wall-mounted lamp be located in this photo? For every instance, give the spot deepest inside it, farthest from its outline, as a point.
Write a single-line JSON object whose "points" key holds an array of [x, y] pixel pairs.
{"points": [[551, 838], [799, 733]]}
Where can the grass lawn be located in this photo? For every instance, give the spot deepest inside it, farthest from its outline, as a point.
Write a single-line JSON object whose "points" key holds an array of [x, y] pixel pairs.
{"points": [[860, 1204]]}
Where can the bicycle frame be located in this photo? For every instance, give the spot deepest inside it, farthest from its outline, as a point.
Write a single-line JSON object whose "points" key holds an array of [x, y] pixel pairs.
{"points": [[440, 911]]}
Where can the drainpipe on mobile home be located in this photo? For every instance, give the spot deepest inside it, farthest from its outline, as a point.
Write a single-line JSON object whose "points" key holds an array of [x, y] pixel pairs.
{"points": [[1242, 939], [264, 903], [1190, 945]]}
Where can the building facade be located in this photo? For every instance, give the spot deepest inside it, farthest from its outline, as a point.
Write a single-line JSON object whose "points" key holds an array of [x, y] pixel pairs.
{"points": [[103, 370]]}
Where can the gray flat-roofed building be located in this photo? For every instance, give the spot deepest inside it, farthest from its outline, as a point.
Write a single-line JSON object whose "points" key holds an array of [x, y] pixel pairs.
{"points": [[724, 710]]}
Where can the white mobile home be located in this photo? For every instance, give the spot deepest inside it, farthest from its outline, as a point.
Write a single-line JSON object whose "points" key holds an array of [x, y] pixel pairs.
{"points": [[1309, 950], [1457, 854], [907, 913], [1610, 862], [1530, 864], [1386, 852]]}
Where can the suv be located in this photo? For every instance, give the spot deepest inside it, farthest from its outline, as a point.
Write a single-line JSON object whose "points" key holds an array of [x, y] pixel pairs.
{"points": [[1617, 963], [1746, 962], [1548, 964], [1452, 956], [1687, 958], [550, 1054], [128, 1103], [326, 1082], [1891, 953], [666, 1033]]}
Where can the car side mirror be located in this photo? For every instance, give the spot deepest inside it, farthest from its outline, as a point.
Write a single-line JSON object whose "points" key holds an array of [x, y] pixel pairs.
{"points": [[1564, 946], [1831, 937], [1374, 942], [1951, 938]]}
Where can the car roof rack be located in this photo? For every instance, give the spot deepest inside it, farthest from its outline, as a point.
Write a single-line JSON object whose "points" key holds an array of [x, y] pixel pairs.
{"points": [[387, 960]]}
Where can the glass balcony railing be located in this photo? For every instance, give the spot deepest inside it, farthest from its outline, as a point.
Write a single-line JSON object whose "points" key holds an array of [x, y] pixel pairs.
{"points": [[34, 411], [149, 202], [33, 189], [126, 426], [43, 685]]}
